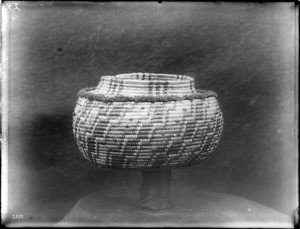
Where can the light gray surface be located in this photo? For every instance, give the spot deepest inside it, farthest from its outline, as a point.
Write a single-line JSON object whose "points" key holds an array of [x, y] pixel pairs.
{"points": [[191, 208]]}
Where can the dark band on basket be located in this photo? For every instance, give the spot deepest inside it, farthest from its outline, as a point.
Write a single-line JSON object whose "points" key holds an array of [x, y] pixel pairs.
{"points": [[201, 94]]}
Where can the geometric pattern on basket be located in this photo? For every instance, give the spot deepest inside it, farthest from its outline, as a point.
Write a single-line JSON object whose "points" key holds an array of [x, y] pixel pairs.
{"points": [[147, 135], [147, 121], [145, 84]]}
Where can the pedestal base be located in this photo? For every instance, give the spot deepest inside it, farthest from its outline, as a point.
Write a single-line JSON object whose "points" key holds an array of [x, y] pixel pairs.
{"points": [[155, 190], [201, 209]]}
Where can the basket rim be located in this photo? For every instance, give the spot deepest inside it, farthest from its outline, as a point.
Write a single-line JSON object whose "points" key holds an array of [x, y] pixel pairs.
{"points": [[147, 76], [200, 94]]}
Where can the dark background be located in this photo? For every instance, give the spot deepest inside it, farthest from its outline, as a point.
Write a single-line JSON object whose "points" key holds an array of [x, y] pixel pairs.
{"points": [[243, 51]]}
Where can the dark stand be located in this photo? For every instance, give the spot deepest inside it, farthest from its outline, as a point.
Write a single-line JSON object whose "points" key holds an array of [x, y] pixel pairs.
{"points": [[155, 189]]}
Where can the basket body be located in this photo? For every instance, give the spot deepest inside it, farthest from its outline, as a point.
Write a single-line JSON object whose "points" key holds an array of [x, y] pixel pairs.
{"points": [[146, 121]]}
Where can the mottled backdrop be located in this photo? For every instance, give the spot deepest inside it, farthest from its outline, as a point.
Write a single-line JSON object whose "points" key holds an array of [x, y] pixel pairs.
{"points": [[245, 52]]}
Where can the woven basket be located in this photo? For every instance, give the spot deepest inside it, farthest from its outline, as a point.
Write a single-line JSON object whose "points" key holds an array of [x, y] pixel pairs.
{"points": [[143, 120]]}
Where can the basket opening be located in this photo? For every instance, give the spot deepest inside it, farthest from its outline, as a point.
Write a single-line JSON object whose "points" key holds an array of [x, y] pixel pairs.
{"points": [[154, 76]]}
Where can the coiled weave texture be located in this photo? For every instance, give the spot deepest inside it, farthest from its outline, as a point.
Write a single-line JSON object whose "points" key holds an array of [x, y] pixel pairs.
{"points": [[147, 134]]}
